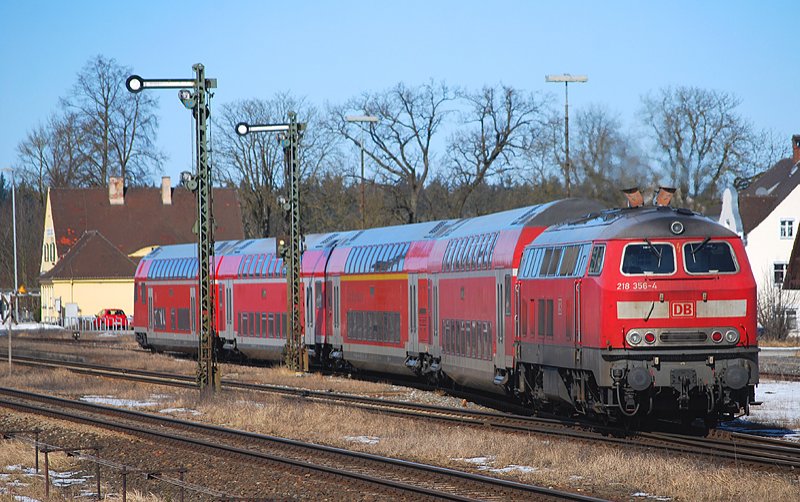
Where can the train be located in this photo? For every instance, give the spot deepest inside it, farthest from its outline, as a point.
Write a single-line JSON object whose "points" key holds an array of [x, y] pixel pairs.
{"points": [[569, 307]]}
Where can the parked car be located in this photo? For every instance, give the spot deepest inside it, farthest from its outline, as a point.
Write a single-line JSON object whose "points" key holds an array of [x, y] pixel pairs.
{"points": [[111, 319]]}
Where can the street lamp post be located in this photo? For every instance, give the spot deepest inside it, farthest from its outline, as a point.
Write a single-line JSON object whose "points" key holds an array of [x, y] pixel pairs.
{"points": [[14, 223], [362, 119], [566, 78]]}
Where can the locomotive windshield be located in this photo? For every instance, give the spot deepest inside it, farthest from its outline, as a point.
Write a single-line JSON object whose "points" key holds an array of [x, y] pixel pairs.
{"points": [[708, 257], [648, 258]]}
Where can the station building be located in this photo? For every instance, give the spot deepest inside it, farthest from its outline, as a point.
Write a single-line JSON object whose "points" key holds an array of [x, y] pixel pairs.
{"points": [[94, 238]]}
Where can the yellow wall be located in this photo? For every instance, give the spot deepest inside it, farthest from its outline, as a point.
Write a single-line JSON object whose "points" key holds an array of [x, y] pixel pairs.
{"points": [[90, 295]]}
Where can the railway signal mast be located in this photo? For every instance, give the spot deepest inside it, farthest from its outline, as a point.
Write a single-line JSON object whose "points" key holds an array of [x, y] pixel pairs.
{"points": [[208, 378], [289, 135]]}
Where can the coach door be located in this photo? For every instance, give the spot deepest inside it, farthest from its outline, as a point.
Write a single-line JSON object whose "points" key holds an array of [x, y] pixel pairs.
{"points": [[503, 313], [229, 308], [149, 310], [336, 310], [433, 300], [413, 314], [309, 311], [193, 311], [578, 320]]}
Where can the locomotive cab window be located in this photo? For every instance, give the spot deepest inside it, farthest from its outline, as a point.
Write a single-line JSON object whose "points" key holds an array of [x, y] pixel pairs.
{"points": [[648, 258], [709, 257]]}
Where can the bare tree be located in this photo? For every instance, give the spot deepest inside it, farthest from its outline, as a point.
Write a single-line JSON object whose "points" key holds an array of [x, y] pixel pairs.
{"points": [[772, 305], [606, 159], [699, 138], [400, 143], [494, 129], [255, 163], [53, 155], [119, 127]]}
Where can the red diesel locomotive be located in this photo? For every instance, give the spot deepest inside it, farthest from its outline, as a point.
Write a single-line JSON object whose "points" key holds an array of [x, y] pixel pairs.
{"points": [[565, 306]]}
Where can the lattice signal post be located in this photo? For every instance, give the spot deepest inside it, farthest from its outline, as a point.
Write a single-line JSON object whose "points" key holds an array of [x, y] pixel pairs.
{"points": [[292, 251], [208, 377]]}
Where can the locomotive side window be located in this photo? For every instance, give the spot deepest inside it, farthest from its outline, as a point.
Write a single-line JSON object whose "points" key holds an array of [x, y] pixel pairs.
{"points": [[648, 258], [596, 261], [709, 257]]}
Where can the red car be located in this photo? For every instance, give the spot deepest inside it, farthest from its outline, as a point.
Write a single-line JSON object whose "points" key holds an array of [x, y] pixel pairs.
{"points": [[111, 319]]}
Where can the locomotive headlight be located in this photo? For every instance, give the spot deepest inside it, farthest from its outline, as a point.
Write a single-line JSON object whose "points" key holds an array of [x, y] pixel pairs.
{"points": [[634, 338], [676, 227], [731, 336]]}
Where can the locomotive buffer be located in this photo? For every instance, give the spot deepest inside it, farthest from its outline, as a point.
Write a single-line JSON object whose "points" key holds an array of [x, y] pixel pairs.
{"points": [[208, 378]]}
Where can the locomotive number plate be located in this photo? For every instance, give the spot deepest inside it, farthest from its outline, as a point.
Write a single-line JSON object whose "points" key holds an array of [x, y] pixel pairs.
{"points": [[636, 286]]}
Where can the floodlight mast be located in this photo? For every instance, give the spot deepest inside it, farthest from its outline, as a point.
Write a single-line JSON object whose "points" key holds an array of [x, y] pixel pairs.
{"points": [[362, 119], [566, 78], [292, 251], [208, 377]]}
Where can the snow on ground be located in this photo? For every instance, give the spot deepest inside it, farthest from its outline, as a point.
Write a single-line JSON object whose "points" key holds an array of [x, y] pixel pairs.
{"points": [[648, 496], [180, 410], [29, 326], [362, 439], [779, 413], [115, 401], [486, 464]]}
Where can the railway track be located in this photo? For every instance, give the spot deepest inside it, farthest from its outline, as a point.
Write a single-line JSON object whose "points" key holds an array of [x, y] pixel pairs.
{"points": [[723, 445], [387, 475]]}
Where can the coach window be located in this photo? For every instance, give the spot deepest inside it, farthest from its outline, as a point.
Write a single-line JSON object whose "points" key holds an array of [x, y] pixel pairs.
{"points": [[361, 256], [709, 258], [446, 258], [373, 257], [648, 258]]}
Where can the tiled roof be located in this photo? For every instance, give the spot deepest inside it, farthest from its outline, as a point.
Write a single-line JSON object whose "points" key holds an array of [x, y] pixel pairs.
{"points": [[92, 257], [143, 220], [759, 199]]}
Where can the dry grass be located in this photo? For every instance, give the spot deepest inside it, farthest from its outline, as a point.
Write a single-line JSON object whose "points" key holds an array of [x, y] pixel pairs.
{"points": [[789, 342], [608, 471]]}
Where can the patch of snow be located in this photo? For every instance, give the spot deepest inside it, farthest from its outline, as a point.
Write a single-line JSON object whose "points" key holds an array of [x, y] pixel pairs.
{"points": [[30, 471], [363, 439], [780, 412], [114, 401], [514, 468], [180, 410], [477, 460], [23, 498], [17, 484], [32, 326], [654, 497]]}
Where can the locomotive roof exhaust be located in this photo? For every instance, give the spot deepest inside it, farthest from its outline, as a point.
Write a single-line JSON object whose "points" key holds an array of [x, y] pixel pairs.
{"points": [[664, 196], [634, 197]]}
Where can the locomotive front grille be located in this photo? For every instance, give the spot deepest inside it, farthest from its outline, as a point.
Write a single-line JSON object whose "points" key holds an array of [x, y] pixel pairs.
{"points": [[683, 337]]}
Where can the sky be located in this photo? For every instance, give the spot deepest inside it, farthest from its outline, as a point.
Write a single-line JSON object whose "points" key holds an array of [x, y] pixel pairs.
{"points": [[329, 51]]}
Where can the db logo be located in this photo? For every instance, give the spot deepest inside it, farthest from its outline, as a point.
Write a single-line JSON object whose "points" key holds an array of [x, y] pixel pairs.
{"points": [[682, 309]]}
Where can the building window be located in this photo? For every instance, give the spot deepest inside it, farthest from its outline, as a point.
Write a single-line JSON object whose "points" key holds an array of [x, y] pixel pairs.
{"points": [[779, 272], [791, 319], [787, 228]]}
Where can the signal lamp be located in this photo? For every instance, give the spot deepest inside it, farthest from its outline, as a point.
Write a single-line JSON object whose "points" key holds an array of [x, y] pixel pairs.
{"points": [[716, 336], [649, 337]]}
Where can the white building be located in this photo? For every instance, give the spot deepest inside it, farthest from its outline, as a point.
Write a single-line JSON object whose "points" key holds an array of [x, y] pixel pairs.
{"points": [[766, 215]]}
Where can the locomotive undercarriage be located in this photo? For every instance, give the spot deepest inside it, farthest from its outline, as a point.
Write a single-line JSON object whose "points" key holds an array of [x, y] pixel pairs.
{"points": [[630, 386]]}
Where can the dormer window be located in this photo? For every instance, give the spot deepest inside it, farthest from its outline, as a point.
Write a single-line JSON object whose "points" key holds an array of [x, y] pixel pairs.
{"points": [[787, 228]]}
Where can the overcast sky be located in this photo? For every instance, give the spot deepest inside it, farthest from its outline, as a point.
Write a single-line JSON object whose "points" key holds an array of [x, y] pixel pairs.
{"points": [[329, 51]]}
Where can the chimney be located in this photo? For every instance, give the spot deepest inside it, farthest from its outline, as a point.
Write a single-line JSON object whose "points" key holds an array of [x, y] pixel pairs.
{"points": [[795, 149], [116, 191], [166, 191]]}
